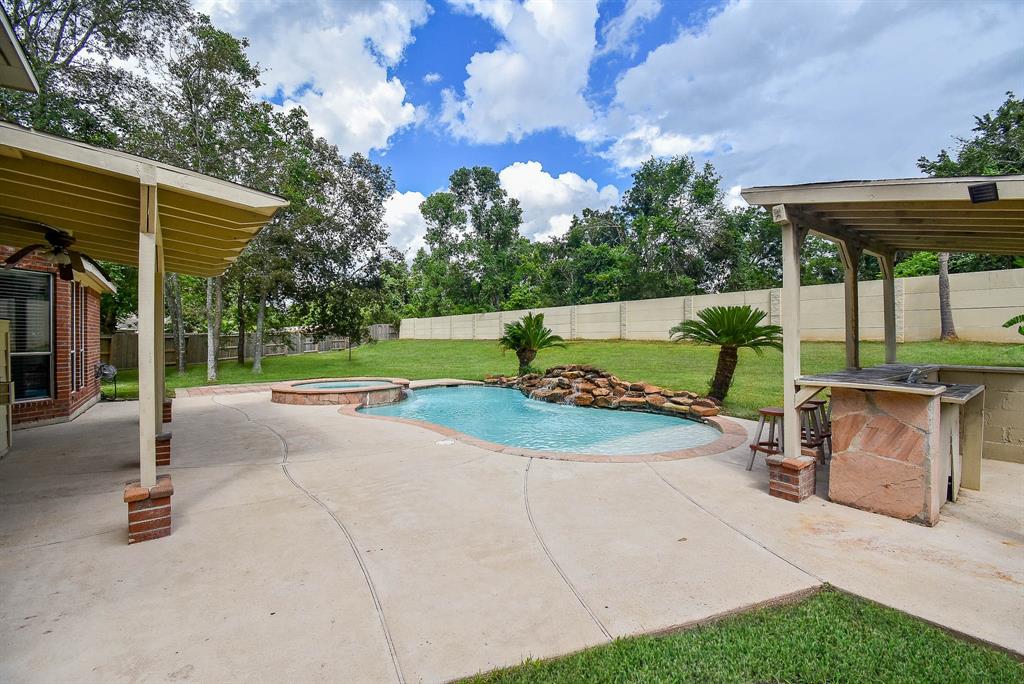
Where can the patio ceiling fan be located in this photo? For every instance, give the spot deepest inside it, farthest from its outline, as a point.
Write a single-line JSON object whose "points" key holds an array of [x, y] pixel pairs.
{"points": [[57, 250]]}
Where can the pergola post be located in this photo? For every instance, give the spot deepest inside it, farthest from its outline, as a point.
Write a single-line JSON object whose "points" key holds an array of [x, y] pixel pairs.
{"points": [[792, 240], [885, 262], [149, 499], [850, 254]]}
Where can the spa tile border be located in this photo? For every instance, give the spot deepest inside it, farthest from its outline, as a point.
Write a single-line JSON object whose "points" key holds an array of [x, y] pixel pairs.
{"points": [[732, 435], [292, 392]]}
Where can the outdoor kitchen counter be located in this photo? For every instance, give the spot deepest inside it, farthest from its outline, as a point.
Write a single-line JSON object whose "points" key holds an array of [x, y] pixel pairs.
{"points": [[891, 377], [897, 444]]}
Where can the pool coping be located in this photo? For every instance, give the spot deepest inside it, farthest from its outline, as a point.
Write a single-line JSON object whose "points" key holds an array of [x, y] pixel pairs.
{"points": [[292, 391], [732, 435]]}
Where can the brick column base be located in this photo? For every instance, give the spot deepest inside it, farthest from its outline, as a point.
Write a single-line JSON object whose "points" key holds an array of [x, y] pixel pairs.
{"points": [[167, 410], [149, 509], [163, 449], [792, 479]]}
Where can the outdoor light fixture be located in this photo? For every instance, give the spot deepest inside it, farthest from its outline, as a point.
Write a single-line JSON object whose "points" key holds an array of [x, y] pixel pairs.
{"points": [[983, 192]]}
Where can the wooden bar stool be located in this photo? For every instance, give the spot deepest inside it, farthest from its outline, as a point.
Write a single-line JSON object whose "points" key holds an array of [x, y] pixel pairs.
{"points": [[824, 423], [772, 415], [812, 434]]}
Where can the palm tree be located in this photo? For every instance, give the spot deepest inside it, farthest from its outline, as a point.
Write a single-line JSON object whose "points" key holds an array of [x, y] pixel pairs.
{"points": [[528, 336], [947, 330], [730, 327]]}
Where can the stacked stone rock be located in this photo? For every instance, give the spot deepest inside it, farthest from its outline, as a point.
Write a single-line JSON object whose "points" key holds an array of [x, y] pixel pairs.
{"points": [[584, 385]]}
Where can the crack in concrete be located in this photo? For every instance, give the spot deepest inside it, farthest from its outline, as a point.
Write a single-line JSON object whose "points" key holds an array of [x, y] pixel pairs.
{"points": [[547, 552], [732, 527], [399, 676]]}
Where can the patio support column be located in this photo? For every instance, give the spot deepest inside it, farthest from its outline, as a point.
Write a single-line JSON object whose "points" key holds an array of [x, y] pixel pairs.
{"points": [[149, 499], [149, 257], [158, 340], [850, 254], [885, 262], [792, 240]]}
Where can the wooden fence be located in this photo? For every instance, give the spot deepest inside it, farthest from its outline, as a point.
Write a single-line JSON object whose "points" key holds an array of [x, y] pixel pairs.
{"points": [[122, 348]]}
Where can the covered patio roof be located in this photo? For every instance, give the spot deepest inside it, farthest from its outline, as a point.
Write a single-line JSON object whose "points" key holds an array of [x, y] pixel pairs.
{"points": [[881, 217], [130, 210], [908, 214], [94, 194]]}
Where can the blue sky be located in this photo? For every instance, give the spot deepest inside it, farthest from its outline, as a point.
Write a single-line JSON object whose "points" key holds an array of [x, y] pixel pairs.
{"points": [[564, 98], [423, 157]]}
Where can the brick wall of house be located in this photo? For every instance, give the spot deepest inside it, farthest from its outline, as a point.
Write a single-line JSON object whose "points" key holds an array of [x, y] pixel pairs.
{"points": [[65, 402]]}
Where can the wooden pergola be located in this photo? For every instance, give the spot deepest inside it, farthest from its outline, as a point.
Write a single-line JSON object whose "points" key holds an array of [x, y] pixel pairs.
{"points": [[130, 210], [979, 214]]}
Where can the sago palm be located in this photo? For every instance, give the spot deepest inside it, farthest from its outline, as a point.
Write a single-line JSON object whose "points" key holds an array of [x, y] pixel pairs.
{"points": [[526, 337], [731, 328], [1016, 320]]}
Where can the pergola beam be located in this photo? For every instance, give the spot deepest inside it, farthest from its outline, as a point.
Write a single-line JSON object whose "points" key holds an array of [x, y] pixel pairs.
{"points": [[835, 231]]}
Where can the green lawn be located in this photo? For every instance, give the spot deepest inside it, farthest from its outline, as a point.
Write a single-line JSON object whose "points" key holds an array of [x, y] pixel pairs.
{"points": [[758, 379], [829, 637]]}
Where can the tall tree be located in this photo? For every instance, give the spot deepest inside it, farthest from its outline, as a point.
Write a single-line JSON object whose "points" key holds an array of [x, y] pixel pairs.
{"points": [[343, 247], [673, 211], [79, 52], [996, 149], [200, 118], [476, 249]]}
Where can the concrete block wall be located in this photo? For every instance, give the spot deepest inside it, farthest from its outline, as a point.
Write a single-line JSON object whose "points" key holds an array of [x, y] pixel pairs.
{"points": [[1004, 408], [981, 302]]}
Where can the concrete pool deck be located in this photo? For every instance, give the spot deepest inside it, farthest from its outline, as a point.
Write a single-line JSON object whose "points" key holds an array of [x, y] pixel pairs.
{"points": [[310, 545]]}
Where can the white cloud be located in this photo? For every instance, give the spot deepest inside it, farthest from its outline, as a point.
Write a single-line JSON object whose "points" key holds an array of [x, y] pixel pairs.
{"points": [[618, 34], [648, 140], [332, 59], [797, 91], [402, 214], [550, 202], [535, 78], [432, 77], [733, 200]]}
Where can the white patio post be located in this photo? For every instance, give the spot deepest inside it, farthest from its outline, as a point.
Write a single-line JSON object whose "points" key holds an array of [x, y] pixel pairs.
{"points": [[792, 240], [851, 254], [149, 229], [885, 261], [158, 338]]}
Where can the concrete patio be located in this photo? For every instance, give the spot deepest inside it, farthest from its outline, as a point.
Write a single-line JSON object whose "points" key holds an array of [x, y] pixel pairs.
{"points": [[308, 545]]}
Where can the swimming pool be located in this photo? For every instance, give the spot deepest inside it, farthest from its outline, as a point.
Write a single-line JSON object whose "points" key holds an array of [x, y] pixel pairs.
{"points": [[507, 417]]}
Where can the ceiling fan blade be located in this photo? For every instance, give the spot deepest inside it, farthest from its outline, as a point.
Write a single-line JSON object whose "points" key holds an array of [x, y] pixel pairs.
{"points": [[65, 272], [76, 260], [21, 254]]}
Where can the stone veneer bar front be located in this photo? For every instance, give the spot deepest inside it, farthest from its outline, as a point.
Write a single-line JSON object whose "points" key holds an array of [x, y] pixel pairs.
{"points": [[885, 455]]}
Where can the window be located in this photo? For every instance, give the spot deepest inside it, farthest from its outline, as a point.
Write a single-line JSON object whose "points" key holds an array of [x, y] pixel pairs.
{"points": [[77, 337], [26, 300]]}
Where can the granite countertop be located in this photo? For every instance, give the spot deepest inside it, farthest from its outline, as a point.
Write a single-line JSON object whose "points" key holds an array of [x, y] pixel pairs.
{"points": [[891, 377]]}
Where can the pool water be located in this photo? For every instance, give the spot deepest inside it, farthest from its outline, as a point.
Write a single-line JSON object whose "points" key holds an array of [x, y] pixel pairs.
{"points": [[508, 417], [342, 384]]}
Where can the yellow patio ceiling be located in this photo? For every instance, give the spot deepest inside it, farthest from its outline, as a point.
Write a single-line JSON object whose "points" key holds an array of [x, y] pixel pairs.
{"points": [[912, 214], [94, 194]]}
